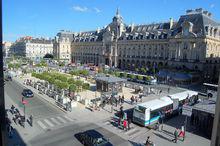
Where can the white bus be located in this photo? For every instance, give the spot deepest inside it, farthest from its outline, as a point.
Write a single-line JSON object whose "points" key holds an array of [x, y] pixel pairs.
{"points": [[211, 89], [150, 112]]}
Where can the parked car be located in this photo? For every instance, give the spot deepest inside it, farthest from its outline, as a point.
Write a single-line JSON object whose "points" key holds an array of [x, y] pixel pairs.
{"points": [[92, 138], [27, 93]]}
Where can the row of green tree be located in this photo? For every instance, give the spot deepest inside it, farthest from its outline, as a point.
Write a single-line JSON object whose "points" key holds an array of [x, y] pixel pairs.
{"points": [[14, 65], [79, 72], [41, 64], [62, 81]]}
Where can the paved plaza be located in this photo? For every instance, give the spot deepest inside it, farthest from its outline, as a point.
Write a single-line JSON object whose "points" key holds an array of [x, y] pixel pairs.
{"points": [[49, 120]]}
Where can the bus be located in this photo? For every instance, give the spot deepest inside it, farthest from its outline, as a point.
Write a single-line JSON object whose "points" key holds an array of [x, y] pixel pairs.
{"points": [[148, 113], [210, 89]]}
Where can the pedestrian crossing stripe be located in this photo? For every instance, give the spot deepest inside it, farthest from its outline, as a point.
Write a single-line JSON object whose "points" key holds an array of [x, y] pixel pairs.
{"points": [[68, 118], [41, 125], [51, 122], [55, 121], [62, 120], [48, 122]]}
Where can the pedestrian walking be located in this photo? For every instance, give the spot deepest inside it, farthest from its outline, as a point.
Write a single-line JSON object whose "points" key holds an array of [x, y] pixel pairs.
{"points": [[116, 102], [129, 123], [12, 109], [148, 142], [182, 133], [175, 135], [132, 99], [122, 99], [168, 90], [31, 120], [140, 98], [136, 99], [119, 99], [125, 125], [15, 120]]}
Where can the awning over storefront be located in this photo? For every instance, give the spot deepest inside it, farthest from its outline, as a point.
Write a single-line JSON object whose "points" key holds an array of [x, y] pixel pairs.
{"points": [[181, 77]]}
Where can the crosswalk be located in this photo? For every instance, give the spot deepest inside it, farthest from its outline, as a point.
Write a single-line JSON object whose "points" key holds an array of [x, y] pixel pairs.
{"points": [[48, 123], [131, 133]]}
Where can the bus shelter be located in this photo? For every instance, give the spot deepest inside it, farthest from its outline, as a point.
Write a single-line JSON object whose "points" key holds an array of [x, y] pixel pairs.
{"points": [[109, 84]]}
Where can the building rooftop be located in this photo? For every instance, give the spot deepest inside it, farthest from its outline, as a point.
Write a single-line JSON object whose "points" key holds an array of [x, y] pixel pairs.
{"points": [[110, 79], [206, 106]]}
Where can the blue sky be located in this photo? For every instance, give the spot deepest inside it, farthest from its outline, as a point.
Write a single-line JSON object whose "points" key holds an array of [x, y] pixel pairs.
{"points": [[46, 17]]}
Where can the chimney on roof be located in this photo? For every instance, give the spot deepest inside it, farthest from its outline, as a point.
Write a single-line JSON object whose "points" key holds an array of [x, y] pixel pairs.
{"points": [[205, 12], [98, 30], [199, 10], [189, 11], [132, 27], [171, 23], [210, 14]]}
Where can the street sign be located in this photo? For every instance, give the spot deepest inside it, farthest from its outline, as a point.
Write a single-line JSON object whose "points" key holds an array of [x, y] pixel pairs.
{"points": [[187, 110], [24, 102]]}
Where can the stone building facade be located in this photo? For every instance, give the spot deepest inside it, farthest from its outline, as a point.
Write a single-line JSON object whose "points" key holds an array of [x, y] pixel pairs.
{"points": [[6, 48], [62, 46], [32, 48], [192, 42]]}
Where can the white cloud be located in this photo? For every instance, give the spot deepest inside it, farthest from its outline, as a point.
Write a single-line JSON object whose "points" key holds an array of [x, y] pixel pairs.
{"points": [[212, 5], [97, 10], [80, 9]]}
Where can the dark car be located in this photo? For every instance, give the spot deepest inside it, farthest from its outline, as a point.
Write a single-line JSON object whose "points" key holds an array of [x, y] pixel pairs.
{"points": [[92, 138], [27, 93]]}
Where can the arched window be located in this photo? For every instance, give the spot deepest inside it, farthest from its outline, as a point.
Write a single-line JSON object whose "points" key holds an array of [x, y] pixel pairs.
{"points": [[185, 46]]}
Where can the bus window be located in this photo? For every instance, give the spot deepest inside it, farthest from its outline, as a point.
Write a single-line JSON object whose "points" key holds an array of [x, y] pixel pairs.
{"points": [[141, 109], [154, 114]]}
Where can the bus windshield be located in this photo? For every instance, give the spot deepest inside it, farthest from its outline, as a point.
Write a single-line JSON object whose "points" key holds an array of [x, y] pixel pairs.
{"points": [[141, 109]]}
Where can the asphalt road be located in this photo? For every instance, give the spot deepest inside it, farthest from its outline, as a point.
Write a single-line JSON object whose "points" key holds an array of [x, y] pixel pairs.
{"points": [[35, 106], [66, 136]]}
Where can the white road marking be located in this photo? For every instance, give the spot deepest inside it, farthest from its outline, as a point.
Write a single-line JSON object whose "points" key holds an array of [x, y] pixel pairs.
{"points": [[55, 121], [68, 118], [130, 131], [41, 125], [62, 120], [48, 122]]}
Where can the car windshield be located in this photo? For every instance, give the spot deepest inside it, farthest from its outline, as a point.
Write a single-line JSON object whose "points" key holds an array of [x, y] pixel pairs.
{"points": [[30, 92], [100, 140]]}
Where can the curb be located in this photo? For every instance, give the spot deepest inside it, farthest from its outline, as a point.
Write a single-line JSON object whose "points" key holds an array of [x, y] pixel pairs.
{"points": [[40, 96]]}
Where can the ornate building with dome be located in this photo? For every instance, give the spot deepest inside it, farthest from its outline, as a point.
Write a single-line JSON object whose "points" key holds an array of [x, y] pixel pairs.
{"points": [[191, 43]]}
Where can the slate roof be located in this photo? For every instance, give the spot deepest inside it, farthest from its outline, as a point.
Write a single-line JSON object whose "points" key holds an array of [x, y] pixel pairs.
{"points": [[199, 18], [199, 21], [110, 79]]}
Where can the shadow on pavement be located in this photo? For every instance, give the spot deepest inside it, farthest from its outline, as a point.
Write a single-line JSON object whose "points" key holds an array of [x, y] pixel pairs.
{"points": [[135, 144], [175, 121], [168, 133], [163, 137], [15, 139]]}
